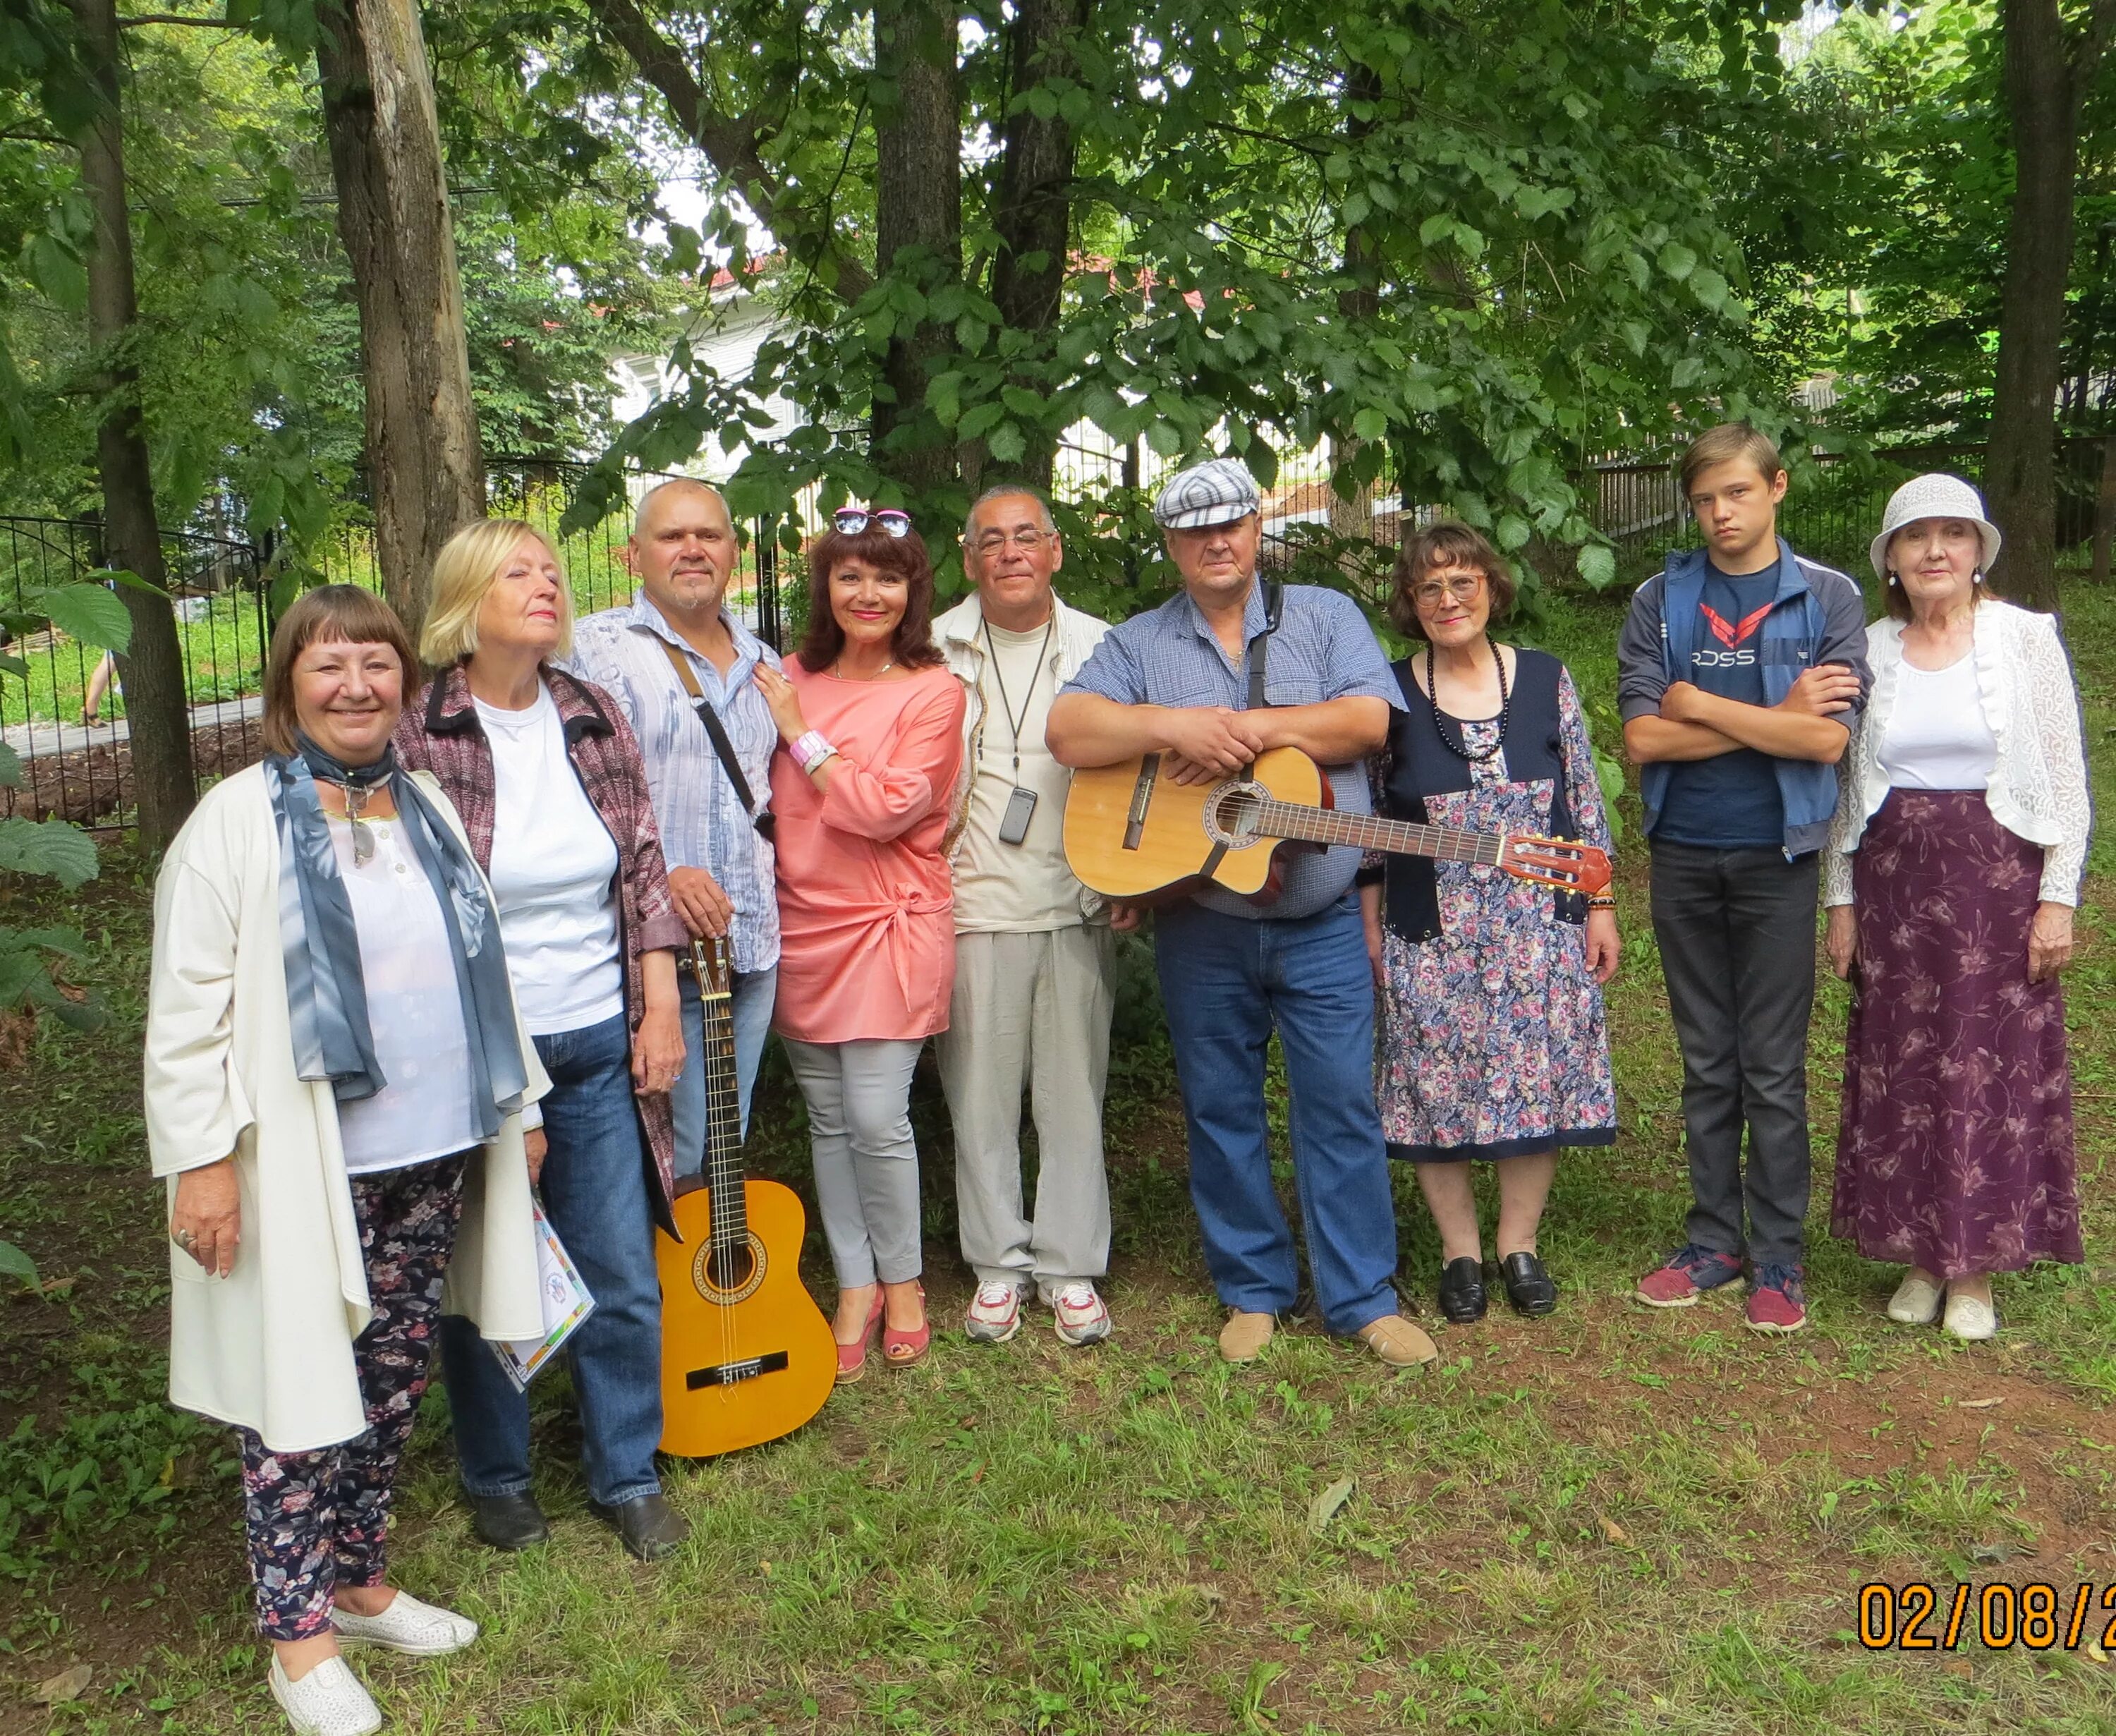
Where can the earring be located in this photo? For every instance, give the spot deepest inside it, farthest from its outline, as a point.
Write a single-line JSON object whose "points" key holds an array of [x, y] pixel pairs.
{"points": [[1892, 577], [1977, 576]]}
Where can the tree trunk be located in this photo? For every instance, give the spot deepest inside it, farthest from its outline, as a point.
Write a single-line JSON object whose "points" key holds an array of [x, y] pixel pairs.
{"points": [[1034, 216], [918, 224], [2019, 470], [157, 708], [425, 473]]}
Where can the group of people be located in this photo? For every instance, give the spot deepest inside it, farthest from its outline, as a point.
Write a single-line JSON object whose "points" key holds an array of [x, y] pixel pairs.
{"points": [[430, 962]]}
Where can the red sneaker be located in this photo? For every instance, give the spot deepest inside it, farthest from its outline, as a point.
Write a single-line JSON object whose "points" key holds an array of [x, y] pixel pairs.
{"points": [[1691, 1271], [1778, 1302]]}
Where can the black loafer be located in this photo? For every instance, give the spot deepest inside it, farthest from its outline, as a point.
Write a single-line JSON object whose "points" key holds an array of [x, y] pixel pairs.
{"points": [[647, 1525], [1462, 1290], [1531, 1290], [507, 1522]]}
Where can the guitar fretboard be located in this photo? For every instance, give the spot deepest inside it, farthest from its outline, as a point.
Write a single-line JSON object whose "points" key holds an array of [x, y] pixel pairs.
{"points": [[1370, 831], [723, 1168]]}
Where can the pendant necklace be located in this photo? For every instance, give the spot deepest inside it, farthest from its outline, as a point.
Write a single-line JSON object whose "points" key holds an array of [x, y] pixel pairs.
{"points": [[838, 670], [1460, 748]]}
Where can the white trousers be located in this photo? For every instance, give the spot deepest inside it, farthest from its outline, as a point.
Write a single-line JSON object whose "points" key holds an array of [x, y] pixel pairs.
{"points": [[1031, 1010]]}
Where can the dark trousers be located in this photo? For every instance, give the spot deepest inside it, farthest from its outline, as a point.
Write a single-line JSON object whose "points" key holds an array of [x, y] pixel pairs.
{"points": [[317, 1520], [1736, 935]]}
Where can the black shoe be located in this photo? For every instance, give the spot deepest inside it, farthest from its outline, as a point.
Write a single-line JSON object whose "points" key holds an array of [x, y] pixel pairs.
{"points": [[1462, 1290], [507, 1522], [647, 1525], [1531, 1290]]}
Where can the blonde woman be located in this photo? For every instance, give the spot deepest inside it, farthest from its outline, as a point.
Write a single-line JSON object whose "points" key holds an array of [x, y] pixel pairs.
{"points": [[335, 1080], [549, 780]]}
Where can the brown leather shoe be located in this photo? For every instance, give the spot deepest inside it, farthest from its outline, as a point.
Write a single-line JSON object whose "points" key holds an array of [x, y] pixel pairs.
{"points": [[1398, 1342], [1243, 1338]]}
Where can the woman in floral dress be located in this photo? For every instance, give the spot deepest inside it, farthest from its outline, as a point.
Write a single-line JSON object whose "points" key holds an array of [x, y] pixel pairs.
{"points": [[1493, 1042]]}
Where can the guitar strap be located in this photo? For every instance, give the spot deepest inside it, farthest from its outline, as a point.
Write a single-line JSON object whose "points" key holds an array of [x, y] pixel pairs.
{"points": [[1274, 610], [717, 734]]}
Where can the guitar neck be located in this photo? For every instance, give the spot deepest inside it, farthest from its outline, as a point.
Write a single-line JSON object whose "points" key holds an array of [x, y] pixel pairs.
{"points": [[723, 1166], [1327, 826]]}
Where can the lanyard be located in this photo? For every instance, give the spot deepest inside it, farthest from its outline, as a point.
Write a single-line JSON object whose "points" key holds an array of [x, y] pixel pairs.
{"points": [[1006, 705]]}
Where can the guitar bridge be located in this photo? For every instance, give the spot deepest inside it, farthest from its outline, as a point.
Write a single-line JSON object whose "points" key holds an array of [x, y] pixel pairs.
{"points": [[733, 1373], [1142, 798]]}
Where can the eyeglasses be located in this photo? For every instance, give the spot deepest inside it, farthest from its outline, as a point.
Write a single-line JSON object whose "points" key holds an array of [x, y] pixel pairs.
{"points": [[891, 521], [1459, 587], [1028, 541]]}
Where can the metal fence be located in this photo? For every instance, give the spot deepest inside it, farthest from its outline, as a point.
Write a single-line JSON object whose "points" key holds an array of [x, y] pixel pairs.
{"points": [[80, 767]]}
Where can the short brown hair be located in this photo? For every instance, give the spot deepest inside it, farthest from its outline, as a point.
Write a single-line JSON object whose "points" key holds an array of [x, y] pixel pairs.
{"points": [[1728, 443], [1449, 543], [904, 556], [330, 612]]}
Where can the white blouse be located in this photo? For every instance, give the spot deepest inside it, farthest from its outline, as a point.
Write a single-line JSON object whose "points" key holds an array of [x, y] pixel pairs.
{"points": [[554, 874], [414, 1010], [2036, 785], [1937, 737]]}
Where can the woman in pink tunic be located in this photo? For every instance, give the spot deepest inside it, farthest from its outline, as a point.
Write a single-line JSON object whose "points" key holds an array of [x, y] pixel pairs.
{"points": [[870, 721]]}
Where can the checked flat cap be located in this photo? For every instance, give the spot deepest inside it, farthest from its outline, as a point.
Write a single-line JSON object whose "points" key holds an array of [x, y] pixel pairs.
{"points": [[1218, 492]]}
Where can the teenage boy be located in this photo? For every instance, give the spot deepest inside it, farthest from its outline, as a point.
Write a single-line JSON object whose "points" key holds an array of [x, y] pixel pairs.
{"points": [[1740, 672]]}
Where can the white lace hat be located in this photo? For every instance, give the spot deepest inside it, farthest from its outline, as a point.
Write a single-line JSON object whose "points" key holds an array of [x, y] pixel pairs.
{"points": [[1935, 496]]}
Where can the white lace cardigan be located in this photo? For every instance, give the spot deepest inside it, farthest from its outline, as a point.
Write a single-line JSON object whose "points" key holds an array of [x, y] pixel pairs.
{"points": [[2038, 789]]}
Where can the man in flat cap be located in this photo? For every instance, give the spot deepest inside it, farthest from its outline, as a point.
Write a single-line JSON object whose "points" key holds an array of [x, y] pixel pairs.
{"points": [[1224, 670]]}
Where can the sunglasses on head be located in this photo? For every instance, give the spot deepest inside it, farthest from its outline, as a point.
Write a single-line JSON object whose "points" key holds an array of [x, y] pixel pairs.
{"points": [[891, 521]]}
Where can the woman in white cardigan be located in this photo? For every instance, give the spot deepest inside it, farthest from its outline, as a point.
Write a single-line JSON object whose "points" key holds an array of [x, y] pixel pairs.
{"points": [[335, 1084], [1951, 879]]}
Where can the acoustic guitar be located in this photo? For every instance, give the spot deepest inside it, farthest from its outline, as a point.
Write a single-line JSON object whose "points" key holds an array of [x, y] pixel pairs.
{"points": [[1132, 832], [746, 1355]]}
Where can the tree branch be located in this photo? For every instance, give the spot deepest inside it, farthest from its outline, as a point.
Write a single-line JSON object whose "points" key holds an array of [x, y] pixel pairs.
{"points": [[729, 142], [196, 24]]}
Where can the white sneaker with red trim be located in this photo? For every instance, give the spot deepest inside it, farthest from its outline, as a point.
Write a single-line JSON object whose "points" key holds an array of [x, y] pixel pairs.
{"points": [[995, 1312], [1082, 1318]]}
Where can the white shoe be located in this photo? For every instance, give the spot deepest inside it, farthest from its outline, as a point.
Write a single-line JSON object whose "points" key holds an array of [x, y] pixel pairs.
{"points": [[328, 1701], [1915, 1303], [1081, 1316], [418, 1630], [995, 1312], [1970, 1318]]}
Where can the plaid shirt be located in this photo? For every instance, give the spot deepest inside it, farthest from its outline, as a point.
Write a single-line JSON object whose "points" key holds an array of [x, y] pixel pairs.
{"points": [[703, 824], [442, 735]]}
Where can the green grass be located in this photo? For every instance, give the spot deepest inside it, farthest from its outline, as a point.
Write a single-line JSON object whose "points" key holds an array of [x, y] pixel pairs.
{"points": [[1610, 1520]]}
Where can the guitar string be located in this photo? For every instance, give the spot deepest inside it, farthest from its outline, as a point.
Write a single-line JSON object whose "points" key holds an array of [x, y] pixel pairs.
{"points": [[1324, 825]]}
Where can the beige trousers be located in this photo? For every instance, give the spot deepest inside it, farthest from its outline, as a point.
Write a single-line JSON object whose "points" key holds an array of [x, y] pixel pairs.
{"points": [[1031, 1010]]}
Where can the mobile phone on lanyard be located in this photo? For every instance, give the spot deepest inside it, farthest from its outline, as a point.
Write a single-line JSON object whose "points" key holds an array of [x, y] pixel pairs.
{"points": [[1014, 825]]}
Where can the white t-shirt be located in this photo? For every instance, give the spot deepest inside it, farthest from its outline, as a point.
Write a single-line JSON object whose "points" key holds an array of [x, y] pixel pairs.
{"points": [[1937, 737], [414, 1008], [1022, 888], [554, 872]]}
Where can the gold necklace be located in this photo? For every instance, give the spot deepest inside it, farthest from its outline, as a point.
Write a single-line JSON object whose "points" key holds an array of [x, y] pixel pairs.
{"points": [[837, 668]]}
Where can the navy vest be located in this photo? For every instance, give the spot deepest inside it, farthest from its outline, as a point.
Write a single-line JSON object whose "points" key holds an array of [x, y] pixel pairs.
{"points": [[1420, 765]]}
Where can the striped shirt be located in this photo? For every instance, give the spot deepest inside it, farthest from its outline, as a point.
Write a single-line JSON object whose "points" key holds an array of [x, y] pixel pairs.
{"points": [[702, 823], [1324, 650]]}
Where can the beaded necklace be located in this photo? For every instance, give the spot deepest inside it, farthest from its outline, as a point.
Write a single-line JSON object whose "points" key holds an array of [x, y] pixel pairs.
{"points": [[1459, 748]]}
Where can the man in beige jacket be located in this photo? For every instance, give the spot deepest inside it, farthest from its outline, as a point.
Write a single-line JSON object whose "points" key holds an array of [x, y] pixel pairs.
{"points": [[1034, 959]]}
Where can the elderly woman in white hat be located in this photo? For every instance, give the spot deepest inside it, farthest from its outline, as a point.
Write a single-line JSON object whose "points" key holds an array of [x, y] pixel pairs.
{"points": [[1950, 881]]}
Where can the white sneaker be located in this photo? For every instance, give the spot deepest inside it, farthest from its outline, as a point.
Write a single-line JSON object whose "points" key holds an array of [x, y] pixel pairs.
{"points": [[416, 1629], [995, 1312], [1970, 1318], [1915, 1303], [1081, 1316], [328, 1701]]}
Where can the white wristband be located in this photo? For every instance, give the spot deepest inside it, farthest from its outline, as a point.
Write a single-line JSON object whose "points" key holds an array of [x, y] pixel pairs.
{"points": [[811, 750]]}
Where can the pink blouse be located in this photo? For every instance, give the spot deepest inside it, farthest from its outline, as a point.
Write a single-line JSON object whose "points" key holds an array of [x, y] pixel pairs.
{"points": [[866, 911]]}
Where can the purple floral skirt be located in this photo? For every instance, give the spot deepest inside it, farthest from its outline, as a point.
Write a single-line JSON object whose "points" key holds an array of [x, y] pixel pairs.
{"points": [[1955, 1149]]}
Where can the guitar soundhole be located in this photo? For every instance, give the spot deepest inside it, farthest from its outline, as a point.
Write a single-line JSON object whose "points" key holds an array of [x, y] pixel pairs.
{"points": [[726, 1276], [1233, 813]]}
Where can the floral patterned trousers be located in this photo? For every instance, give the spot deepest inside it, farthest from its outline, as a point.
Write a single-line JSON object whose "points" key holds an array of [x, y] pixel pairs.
{"points": [[319, 1519]]}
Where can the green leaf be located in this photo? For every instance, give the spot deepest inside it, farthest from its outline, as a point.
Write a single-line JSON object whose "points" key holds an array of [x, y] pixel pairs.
{"points": [[1371, 424], [88, 613], [52, 848], [11, 664], [1710, 288], [14, 1263], [10, 767], [1677, 261], [1007, 443], [1597, 565], [1512, 532]]}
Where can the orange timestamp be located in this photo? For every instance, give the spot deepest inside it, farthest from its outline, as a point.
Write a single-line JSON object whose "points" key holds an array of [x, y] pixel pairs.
{"points": [[1920, 1616]]}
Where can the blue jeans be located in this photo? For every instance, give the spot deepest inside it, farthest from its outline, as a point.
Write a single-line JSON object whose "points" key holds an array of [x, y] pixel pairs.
{"points": [[595, 1193], [1226, 981], [752, 992]]}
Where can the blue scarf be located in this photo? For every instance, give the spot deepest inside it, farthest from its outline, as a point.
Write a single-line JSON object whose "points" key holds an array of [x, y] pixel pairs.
{"points": [[326, 992]]}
